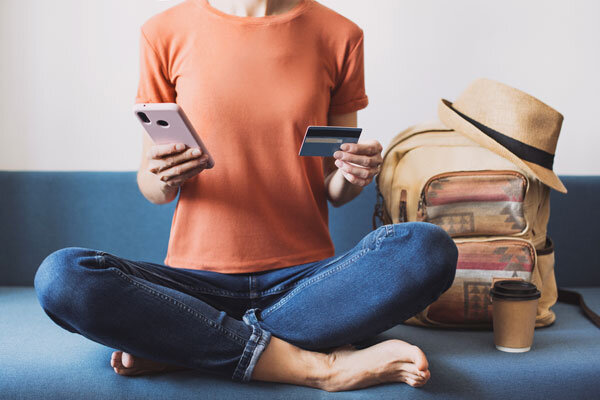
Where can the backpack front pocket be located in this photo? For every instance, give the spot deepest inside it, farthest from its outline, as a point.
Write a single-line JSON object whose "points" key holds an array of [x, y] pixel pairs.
{"points": [[479, 262], [475, 203]]}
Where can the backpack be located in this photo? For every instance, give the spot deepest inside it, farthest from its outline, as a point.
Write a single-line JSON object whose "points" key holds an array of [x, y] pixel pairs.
{"points": [[496, 213]]}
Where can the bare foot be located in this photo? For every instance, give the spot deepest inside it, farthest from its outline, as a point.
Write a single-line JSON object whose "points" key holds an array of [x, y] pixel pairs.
{"points": [[389, 361], [130, 365]]}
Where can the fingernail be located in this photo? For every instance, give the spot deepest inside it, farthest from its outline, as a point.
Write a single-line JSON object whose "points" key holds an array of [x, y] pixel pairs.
{"points": [[196, 152], [337, 154], [180, 147], [344, 147], [338, 163]]}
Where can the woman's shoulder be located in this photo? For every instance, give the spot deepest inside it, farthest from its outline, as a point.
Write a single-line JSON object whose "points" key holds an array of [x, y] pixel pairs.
{"points": [[335, 23], [167, 21]]}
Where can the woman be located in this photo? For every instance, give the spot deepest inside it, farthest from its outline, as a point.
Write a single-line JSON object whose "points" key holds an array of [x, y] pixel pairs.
{"points": [[250, 288]]}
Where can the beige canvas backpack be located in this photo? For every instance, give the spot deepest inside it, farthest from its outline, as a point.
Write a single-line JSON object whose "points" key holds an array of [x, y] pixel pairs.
{"points": [[496, 212]]}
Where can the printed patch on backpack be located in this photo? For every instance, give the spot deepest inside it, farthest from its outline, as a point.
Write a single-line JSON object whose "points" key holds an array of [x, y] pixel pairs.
{"points": [[475, 203], [467, 300]]}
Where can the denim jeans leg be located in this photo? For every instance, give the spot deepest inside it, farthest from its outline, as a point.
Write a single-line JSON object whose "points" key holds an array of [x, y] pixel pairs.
{"points": [[390, 275], [145, 309]]}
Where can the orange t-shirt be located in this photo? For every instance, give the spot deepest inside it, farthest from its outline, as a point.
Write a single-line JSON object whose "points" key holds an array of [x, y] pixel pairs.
{"points": [[251, 86]]}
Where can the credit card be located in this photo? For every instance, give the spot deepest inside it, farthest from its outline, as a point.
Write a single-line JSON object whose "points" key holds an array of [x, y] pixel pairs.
{"points": [[323, 141]]}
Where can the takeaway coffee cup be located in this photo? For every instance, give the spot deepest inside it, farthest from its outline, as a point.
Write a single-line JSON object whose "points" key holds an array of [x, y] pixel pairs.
{"points": [[514, 305]]}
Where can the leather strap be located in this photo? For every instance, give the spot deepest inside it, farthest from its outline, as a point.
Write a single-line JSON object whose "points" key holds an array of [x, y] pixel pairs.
{"points": [[571, 297]]}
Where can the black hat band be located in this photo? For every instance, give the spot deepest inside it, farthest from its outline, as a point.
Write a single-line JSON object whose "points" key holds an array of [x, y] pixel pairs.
{"points": [[520, 149]]}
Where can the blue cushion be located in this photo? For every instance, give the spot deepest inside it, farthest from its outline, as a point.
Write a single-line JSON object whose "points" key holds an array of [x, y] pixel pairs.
{"points": [[41, 212], [39, 360]]}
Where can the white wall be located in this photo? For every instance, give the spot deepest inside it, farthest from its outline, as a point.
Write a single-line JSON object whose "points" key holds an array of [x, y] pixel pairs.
{"points": [[68, 71]]}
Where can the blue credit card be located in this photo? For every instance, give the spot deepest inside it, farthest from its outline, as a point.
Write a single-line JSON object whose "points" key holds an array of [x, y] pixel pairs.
{"points": [[323, 141]]}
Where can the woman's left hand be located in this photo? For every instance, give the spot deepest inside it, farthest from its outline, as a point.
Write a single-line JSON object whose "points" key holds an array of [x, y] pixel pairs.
{"points": [[365, 158]]}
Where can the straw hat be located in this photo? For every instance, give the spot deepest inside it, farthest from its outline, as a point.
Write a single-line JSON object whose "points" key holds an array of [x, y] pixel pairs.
{"points": [[510, 123]]}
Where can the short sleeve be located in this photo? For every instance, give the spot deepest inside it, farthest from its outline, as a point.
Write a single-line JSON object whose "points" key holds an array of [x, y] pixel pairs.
{"points": [[154, 85], [349, 94]]}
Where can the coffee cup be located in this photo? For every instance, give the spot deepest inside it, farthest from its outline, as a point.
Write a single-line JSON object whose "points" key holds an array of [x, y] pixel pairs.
{"points": [[514, 308]]}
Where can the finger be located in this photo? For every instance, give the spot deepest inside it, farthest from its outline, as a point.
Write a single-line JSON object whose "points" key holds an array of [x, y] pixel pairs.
{"points": [[170, 161], [356, 181], [162, 150], [180, 180], [365, 161], [370, 148], [181, 169], [359, 172]]}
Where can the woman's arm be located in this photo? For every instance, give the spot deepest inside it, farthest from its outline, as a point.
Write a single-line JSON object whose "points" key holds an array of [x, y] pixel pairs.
{"points": [[343, 182]]}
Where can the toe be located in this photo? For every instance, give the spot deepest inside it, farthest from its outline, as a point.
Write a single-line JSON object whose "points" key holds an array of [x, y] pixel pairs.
{"points": [[408, 375], [415, 381], [410, 367], [408, 352], [127, 360], [408, 378], [115, 359], [419, 359]]}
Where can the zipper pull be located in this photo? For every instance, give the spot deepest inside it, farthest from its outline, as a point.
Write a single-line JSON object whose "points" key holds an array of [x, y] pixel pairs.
{"points": [[421, 209], [402, 217]]}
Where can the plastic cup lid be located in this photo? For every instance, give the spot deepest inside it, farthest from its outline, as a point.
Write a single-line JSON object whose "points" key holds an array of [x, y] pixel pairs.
{"points": [[515, 290]]}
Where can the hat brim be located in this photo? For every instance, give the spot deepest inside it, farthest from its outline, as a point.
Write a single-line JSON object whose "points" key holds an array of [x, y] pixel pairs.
{"points": [[453, 120]]}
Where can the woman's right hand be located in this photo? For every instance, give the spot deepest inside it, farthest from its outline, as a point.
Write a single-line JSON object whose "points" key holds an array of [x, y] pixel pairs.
{"points": [[175, 163]]}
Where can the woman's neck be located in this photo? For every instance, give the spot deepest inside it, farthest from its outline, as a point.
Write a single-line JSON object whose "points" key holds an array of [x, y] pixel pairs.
{"points": [[253, 8]]}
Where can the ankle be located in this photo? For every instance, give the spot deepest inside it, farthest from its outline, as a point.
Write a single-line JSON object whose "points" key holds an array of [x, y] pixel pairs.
{"points": [[283, 362], [319, 368]]}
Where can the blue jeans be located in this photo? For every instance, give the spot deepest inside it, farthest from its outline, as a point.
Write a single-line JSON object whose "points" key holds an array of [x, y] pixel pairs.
{"points": [[221, 323]]}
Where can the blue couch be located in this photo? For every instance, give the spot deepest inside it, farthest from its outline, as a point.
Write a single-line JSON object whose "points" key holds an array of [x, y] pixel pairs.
{"points": [[43, 211]]}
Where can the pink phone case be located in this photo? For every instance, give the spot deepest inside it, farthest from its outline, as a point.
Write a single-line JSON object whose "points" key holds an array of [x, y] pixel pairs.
{"points": [[167, 123]]}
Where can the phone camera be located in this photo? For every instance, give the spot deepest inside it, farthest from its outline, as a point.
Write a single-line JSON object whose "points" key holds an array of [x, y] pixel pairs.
{"points": [[162, 123], [143, 117]]}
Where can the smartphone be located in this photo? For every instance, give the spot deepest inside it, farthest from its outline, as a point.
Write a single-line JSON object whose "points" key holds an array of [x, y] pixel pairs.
{"points": [[167, 123]]}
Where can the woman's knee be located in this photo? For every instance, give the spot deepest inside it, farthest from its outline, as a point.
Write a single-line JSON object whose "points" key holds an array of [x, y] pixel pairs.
{"points": [[56, 279], [435, 251]]}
